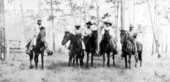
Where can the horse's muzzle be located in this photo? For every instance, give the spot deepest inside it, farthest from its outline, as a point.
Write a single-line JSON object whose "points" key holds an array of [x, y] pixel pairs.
{"points": [[63, 42]]}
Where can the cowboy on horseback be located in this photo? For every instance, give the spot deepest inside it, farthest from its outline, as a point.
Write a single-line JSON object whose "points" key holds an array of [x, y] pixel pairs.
{"points": [[79, 34], [108, 27], [133, 35], [32, 40], [88, 31]]}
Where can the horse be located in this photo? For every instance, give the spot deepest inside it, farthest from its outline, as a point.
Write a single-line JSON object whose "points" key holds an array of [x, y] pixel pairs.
{"points": [[91, 46], [30, 52], [37, 49], [108, 45], [128, 48], [75, 48]]}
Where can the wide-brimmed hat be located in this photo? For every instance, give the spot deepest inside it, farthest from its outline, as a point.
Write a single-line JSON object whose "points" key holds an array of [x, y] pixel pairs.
{"points": [[77, 26], [41, 28], [89, 23], [131, 26], [39, 20], [108, 23]]}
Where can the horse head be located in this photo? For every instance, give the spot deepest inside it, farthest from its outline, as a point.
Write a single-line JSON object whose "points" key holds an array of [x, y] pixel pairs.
{"points": [[106, 35], [123, 36], [66, 37]]}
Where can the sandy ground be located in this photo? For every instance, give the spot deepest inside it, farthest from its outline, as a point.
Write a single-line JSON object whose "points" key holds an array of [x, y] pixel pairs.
{"points": [[56, 70]]}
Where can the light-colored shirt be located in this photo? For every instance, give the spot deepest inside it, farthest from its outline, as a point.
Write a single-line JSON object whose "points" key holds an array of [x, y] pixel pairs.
{"points": [[87, 31], [132, 33], [93, 28], [111, 31], [78, 31], [36, 32]]}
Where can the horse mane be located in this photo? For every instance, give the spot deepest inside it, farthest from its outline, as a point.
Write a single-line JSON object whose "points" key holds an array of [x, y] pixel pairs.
{"points": [[73, 37]]}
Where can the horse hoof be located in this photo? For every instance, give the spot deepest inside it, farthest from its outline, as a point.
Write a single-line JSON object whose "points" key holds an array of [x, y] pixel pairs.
{"points": [[114, 64], [135, 66], [87, 67], [31, 66], [159, 56], [140, 65]]}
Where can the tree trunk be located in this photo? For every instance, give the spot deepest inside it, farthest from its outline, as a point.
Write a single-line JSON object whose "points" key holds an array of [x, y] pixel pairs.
{"points": [[166, 47], [166, 31], [122, 15], [134, 13], [154, 35], [22, 13], [14, 9], [153, 47], [72, 11], [116, 20], [39, 10], [52, 23], [98, 30], [84, 13], [3, 44]]}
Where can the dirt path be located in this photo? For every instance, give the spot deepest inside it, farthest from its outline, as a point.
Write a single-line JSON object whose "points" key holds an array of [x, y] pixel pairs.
{"points": [[56, 70]]}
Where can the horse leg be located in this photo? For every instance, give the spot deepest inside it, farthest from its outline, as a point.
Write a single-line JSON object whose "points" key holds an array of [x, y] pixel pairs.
{"points": [[87, 59], [108, 59], [36, 60], [130, 61], [92, 59], [140, 58], [113, 59], [74, 59], [125, 60], [81, 58], [136, 59], [70, 59], [103, 59], [42, 60], [77, 58], [31, 57]]}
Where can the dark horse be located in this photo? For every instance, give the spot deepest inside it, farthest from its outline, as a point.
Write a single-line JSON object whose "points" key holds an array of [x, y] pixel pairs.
{"points": [[108, 46], [91, 46], [128, 48], [75, 48], [37, 49]]}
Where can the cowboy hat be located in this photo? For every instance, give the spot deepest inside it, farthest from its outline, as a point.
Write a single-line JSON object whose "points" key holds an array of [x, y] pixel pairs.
{"points": [[89, 23], [108, 23], [41, 28], [77, 26], [131, 26]]}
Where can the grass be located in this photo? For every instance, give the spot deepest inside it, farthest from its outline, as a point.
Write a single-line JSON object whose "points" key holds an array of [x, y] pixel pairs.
{"points": [[56, 70]]}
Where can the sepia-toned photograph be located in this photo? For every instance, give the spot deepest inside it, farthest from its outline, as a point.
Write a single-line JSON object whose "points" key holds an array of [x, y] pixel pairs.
{"points": [[84, 40]]}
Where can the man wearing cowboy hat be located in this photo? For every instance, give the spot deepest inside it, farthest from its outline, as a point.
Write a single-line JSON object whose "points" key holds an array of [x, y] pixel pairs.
{"points": [[133, 35], [90, 27], [79, 34], [108, 26], [32, 41], [88, 31], [42, 34]]}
